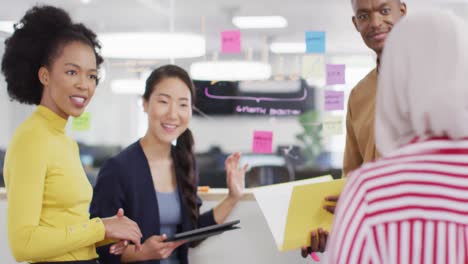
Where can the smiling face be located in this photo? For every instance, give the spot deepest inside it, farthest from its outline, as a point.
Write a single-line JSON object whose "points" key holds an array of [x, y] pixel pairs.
{"points": [[70, 81], [169, 109], [374, 19]]}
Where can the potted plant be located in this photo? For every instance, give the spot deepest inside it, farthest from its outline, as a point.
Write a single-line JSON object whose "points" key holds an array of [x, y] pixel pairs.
{"points": [[311, 138]]}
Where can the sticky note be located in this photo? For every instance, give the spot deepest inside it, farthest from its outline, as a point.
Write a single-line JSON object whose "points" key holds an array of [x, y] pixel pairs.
{"points": [[315, 257], [315, 42], [262, 142], [332, 125], [334, 100], [313, 67], [231, 41], [335, 74], [81, 123]]}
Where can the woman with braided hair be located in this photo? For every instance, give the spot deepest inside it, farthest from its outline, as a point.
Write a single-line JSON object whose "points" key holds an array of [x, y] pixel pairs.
{"points": [[155, 182]]}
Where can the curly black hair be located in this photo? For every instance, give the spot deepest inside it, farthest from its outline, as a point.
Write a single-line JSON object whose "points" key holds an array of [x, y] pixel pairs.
{"points": [[38, 39]]}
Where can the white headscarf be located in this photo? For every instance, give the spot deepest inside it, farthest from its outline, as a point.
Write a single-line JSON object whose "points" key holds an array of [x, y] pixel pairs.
{"points": [[423, 81]]}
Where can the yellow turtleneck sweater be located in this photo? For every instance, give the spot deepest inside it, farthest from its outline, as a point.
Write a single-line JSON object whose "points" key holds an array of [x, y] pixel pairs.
{"points": [[48, 194]]}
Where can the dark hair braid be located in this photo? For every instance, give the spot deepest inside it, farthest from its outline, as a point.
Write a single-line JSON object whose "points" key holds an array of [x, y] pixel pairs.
{"points": [[186, 160]]}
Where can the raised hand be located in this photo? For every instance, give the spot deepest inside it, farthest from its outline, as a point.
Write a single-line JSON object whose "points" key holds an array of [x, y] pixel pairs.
{"points": [[235, 176]]}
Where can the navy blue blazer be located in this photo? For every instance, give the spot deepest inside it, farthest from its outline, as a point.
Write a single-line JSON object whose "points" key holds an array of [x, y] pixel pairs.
{"points": [[125, 182]]}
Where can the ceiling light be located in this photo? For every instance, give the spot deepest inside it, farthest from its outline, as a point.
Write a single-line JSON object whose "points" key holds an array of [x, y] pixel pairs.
{"points": [[230, 70], [7, 26], [259, 21], [141, 45], [288, 47], [128, 86]]}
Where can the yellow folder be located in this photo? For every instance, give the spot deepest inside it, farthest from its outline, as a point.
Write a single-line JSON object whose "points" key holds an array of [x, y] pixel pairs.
{"points": [[292, 210]]}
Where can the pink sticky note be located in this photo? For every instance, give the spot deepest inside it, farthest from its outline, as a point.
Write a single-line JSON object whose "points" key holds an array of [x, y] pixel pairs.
{"points": [[231, 41], [335, 74], [315, 257], [334, 100], [262, 142]]}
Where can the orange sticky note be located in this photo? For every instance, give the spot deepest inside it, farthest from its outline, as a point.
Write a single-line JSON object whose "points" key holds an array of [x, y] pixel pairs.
{"points": [[203, 188]]}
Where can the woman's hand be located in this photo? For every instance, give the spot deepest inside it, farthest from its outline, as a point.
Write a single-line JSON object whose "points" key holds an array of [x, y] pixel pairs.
{"points": [[155, 247], [118, 248], [318, 242], [235, 176], [331, 208], [318, 239], [120, 227]]}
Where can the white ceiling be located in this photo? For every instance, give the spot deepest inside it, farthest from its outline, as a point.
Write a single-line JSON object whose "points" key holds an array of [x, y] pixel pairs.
{"points": [[333, 16]]}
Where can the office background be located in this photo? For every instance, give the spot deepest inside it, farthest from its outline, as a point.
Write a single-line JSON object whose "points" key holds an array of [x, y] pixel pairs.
{"points": [[117, 119]]}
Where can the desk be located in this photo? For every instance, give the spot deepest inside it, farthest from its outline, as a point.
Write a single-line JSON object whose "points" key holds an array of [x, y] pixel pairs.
{"points": [[252, 244], [218, 194]]}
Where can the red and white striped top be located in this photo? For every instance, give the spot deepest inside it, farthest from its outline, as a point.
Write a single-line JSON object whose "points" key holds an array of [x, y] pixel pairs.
{"points": [[410, 207]]}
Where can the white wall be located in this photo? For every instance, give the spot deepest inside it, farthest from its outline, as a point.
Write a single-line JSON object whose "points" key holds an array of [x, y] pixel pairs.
{"points": [[5, 255], [113, 120], [11, 115], [4, 112]]}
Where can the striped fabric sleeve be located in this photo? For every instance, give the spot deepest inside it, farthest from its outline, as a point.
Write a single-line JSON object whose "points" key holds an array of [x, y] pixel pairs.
{"points": [[408, 208], [348, 235]]}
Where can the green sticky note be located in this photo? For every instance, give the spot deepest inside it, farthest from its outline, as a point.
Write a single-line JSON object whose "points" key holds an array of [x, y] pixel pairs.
{"points": [[82, 123], [313, 67], [333, 125]]}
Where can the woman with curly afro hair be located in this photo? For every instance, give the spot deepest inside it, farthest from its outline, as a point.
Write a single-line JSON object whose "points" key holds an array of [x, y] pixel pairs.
{"points": [[52, 62]]}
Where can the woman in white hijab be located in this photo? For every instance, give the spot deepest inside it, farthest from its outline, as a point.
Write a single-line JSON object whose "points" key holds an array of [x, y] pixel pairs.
{"points": [[411, 206]]}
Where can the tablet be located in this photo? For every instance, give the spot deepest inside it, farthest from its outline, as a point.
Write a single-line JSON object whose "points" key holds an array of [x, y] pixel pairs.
{"points": [[204, 232]]}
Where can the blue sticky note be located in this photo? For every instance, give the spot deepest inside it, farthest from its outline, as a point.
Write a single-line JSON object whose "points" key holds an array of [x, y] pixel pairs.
{"points": [[315, 42]]}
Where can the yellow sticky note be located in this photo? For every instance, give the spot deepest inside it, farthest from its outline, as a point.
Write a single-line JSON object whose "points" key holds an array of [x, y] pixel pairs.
{"points": [[306, 212], [81, 123], [313, 67], [332, 125]]}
